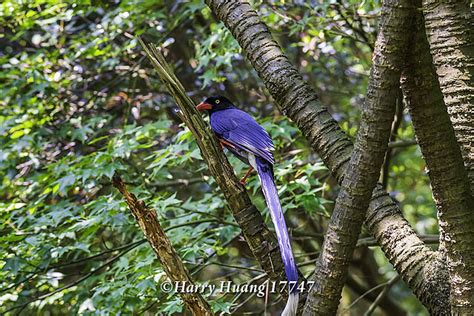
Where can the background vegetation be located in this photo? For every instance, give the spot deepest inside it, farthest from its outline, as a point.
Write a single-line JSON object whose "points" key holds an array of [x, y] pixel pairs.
{"points": [[80, 102]]}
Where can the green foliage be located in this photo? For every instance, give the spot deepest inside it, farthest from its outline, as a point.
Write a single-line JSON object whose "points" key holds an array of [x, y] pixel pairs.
{"points": [[215, 55], [80, 103]]}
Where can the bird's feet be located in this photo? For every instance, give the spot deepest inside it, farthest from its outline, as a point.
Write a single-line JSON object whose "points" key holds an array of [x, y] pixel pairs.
{"points": [[244, 179], [225, 143]]}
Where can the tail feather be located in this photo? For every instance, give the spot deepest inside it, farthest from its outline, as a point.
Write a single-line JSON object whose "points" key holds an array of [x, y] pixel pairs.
{"points": [[291, 306], [265, 173]]}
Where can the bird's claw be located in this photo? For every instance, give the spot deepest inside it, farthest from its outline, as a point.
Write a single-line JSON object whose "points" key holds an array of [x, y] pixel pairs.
{"points": [[225, 143], [244, 179]]}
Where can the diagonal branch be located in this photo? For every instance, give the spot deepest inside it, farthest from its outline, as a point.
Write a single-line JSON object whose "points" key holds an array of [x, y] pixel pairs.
{"points": [[261, 240], [382, 294], [449, 178], [169, 259], [418, 265]]}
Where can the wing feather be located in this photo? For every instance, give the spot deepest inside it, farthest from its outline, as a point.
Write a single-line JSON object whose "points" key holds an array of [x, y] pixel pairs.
{"points": [[240, 129]]}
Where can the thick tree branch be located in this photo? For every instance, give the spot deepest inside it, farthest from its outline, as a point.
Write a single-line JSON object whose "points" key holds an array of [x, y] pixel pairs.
{"points": [[169, 259], [416, 263], [261, 240], [366, 160], [450, 30], [449, 179]]}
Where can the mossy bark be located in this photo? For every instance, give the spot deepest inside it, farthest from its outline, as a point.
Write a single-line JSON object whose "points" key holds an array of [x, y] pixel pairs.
{"points": [[418, 265], [449, 178]]}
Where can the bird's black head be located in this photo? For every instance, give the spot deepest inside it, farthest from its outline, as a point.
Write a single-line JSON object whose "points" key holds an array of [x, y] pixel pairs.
{"points": [[215, 103]]}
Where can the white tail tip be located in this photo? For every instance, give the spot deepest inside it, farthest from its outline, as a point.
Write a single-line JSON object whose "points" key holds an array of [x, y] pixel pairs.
{"points": [[291, 305]]}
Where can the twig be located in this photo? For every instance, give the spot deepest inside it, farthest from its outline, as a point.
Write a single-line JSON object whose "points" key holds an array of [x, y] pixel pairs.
{"points": [[200, 221], [393, 136], [384, 292], [360, 31], [386, 304], [345, 310], [132, 245], [67, 286], [32, 275], [197, 269], [371, 242], [402, 143], [258, 277], [229, 266], [172, 183], [243, 302]]}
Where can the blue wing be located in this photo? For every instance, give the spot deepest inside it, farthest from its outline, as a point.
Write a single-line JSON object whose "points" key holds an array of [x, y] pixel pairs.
{"points": [[241, 130]]}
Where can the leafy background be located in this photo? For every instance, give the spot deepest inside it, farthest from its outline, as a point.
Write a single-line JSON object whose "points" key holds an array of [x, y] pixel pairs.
{"points": [[81, 102]]}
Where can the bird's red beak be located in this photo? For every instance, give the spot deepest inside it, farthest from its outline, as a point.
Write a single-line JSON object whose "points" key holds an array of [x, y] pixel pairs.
{"points": [[203, 106]]}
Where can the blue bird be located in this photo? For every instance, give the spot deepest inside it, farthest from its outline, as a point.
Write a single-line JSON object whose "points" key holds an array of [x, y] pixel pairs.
{"points": [[244, 137]]}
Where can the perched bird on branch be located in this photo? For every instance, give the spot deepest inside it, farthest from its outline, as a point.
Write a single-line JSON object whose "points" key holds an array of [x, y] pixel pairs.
{"points": [[244, 137]]}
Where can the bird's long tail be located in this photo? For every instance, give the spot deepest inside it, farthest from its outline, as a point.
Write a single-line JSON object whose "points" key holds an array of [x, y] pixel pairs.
{"points": [[265, 173]]}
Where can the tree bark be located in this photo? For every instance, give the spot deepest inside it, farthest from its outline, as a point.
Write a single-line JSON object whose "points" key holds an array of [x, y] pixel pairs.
{"points": [[262, 242], [418, 265], [366, 160], [169, 259], [449, 178], [450, 30]]}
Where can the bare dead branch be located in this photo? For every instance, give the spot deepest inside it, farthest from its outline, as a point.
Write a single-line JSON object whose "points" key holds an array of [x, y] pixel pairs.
{"points": [[168, 257]]}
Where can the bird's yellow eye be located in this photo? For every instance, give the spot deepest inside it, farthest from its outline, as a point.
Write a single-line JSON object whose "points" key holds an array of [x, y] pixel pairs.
{"points": [[218, 101]]}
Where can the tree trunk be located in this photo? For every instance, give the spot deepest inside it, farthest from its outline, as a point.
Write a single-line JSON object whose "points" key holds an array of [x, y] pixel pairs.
{"points": [[449, 179], [367, 158], [423, 270], [450, 30]]}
